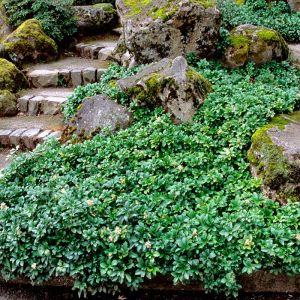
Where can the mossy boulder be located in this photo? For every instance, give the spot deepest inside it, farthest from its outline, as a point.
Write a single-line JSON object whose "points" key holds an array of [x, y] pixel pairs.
{"points": [[5, 28], [171, 84], [96, 18], [29, 44], [159, 29], [8, 104], [275, 157], [11, 78], [249, 43], [294, 4]]}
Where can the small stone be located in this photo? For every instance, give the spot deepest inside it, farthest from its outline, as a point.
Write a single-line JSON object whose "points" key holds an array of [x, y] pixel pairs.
{"points": [[55, 135], [15, 136], [64, 77], [89, 75], [23, 103], [43, 78], [76, 78], [34, 105], [29, 136], [106, 53], [52, 105]]}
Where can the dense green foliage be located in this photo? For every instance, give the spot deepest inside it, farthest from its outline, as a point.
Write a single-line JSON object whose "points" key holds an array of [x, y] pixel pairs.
{"points": [[156, 198], [276, 15], [56, 16]]}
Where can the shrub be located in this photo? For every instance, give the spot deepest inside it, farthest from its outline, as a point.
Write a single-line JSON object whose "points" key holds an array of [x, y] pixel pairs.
{"points": [[156, 198], [90, 2], [276, 15], [56, 16]]}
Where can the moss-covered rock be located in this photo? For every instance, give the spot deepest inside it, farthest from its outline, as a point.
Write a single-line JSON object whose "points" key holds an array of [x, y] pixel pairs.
{"points": [[5, 28], [8, 104], [11, 78], [96, 18], [250, 43], [171, 84], [154, 30], [29, 44], [275, 157]]}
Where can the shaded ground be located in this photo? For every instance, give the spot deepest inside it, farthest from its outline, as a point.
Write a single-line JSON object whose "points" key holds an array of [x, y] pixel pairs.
{"points": [[9, 292]]}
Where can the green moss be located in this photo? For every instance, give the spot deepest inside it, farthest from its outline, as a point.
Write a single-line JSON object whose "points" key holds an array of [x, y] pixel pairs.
{"points": [[11, 78], [136, 6], [29, 43], [270, 161], [107, 7], [8, 104], [268, 35], [164, 12], [199, 81], [238, 40], [240, 2]]}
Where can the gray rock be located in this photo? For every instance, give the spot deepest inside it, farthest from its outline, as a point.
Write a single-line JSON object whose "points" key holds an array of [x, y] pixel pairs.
{"points": [[294, 4], [29, 136], [52, 105], [106, 53], [294, 55], [275, 157], [43, 78], [97, 113], [76, 78], [153, 30], [249, 43], [95, 18], [171, 84], [89, 75], [34, 105], [15, 136], [23, 103]]}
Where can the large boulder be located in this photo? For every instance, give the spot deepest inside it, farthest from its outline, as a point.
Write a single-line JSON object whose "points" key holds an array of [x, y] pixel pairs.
{"points": [[294, 4], [96, 18], [5, 28], [171, 84], [159, 29], [275, 157], [29, 44], [97, 113], [8, 104], [11, 78], [249, 43]]}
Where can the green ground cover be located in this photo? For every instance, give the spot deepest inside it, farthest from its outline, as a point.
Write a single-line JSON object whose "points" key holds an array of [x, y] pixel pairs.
{"points": [[156, 198]]}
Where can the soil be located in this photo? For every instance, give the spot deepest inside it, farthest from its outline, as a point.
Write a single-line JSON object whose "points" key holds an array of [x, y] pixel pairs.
{"points": [[17, 292]]}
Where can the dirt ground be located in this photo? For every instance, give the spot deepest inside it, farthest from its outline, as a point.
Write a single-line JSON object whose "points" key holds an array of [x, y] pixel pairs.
{"points": [[15, 292]]}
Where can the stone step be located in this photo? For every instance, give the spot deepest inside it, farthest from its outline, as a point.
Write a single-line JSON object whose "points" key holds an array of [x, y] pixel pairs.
{"points": [[26, 132], [46, 101], [98, 47], [66, 72], [295, 53]]}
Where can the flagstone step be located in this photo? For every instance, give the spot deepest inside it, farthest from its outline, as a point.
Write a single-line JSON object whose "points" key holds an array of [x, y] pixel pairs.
{"points": [[66, 72], [46, 101], [98, 47], [28, 131]]}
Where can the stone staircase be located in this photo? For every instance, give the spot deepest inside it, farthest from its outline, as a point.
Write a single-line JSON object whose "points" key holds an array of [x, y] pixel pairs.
{"points": [[50, 85]]}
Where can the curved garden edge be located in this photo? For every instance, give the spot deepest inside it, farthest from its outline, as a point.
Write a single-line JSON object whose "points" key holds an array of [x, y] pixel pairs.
{"points": [[259, 282]]}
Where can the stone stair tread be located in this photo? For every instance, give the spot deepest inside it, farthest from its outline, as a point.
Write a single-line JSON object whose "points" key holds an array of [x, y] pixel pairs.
{"points": [[26, 132], [43, 101], [66, 72], [43, 122], [69, 63]]}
